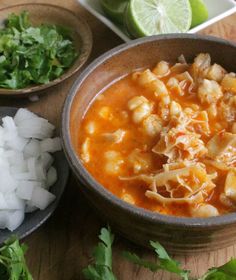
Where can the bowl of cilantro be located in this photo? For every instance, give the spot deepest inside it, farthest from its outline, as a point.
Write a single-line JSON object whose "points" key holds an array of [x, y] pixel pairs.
{"points": [[41, 45]]}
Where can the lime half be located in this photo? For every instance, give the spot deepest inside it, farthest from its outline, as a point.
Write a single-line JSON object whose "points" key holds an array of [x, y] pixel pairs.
{"points": [[114, 9], [151, 17], [199, 12]]}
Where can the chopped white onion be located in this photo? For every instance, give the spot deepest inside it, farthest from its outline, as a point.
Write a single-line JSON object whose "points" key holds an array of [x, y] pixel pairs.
{"points": [[50, 145], [3, 203], [9, 125], [26, 173], [46, 160], [32, 149], [42, 198], [22, 115], [7, 183], [13, 202], [51, 177], [14, 219], [11, 219], [25, 189]]}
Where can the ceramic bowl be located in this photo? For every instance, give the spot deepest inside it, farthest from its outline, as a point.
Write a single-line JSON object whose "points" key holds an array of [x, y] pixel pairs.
{"points": [[51, 14], [139, 225]]}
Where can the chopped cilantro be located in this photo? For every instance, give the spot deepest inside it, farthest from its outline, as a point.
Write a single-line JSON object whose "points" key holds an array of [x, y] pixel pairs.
{"points": [[33, 55]]}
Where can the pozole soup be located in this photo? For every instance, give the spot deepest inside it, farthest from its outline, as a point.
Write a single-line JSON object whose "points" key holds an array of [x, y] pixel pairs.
{"points": [[165, 138]]}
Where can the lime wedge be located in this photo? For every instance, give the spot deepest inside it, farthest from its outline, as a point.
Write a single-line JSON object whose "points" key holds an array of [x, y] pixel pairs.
{"points": [[151, 17], [114, 9], [199, 12], [129, 23]]}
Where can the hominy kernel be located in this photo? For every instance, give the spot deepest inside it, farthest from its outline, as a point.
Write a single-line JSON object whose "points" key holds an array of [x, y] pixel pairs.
{"points": [[85, 155], [165, 100], [124, 114], [146, 77], [209, 91], [90, 127], [204, 211], [105, 113], [116, 136], [152, 125], [114, 161], [112, 155], [216, 73], [128, 198], [162, 69], [226, 201], [175, 108], [136, 101], [112, 167], [141, 112], [229, 83], [212, 111], [173, 85]]}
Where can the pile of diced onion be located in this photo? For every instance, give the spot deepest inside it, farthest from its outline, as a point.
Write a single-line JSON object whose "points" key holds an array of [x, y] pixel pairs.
{"points": [[26, 171]]}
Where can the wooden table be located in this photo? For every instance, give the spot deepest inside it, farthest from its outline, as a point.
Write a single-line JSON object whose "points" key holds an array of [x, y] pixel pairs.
{"points": [[62, 247]]}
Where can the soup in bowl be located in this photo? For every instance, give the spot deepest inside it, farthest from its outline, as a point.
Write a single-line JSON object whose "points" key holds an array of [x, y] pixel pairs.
{"points": [[149, 129]]}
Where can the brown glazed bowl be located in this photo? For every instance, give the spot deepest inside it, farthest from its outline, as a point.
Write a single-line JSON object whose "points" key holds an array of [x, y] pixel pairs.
{"points": [[179, 235], [51, 14]]}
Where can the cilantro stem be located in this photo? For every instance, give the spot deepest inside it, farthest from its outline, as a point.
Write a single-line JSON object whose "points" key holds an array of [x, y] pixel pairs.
{"points": [[5, 258]]}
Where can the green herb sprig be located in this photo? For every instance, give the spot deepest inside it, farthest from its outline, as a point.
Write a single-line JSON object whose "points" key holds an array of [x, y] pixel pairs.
{"points": [[164, 261], [33, 55], [12, 261], [102, 269]]}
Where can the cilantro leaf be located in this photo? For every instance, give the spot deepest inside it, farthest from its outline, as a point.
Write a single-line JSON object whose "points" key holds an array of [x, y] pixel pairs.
{"points": [[168, 264], [20, 22], [164, 261], [102, 268], [12, 261], [137, 260], [224, 272], [98, 272]]}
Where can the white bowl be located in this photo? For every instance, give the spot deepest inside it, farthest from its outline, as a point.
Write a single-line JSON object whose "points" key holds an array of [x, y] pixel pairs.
{"points": [[218, 9]]}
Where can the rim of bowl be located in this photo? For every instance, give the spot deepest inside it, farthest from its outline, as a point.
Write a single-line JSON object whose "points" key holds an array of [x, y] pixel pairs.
{"points": [[88, 43], [87, 178]]}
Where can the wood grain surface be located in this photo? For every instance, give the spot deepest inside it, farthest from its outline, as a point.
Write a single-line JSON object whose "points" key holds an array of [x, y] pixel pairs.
{"points": [[62, 247]]}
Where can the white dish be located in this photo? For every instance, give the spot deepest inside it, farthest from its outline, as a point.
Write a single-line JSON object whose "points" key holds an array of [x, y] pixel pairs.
{"points": [[218, 9]]}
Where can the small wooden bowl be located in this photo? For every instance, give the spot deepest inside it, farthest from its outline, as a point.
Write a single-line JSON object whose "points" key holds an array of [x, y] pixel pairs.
{"points": [[177, 234], [51, 14]]}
